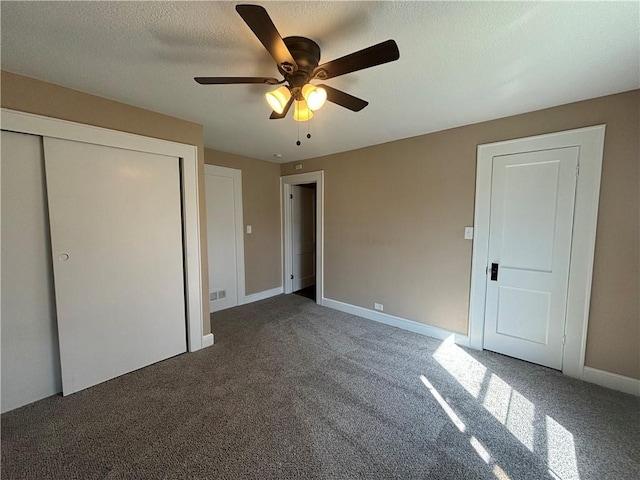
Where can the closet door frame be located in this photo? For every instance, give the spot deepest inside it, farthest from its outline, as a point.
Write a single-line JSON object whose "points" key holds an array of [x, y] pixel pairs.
{"points": [[22, 122]]}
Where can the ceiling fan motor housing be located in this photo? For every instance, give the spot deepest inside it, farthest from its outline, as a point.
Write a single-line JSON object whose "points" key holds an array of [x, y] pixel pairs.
{"points": [[306, 53]]}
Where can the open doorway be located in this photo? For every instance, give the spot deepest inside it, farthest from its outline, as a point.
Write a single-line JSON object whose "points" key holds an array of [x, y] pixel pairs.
{"points": [[303, 228], [303, 252]]}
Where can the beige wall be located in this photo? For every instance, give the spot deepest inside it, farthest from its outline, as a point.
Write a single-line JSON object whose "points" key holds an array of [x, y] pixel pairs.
{"points": [[34, 96], [394, 213], [394, 218], [261, 210]]}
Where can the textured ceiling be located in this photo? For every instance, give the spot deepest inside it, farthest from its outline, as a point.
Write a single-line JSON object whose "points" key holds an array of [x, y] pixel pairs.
{"points": [[460, 63]]}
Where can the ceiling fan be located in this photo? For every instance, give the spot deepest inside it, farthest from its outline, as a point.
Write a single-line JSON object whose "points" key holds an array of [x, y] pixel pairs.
{"points": [[297, 59]]}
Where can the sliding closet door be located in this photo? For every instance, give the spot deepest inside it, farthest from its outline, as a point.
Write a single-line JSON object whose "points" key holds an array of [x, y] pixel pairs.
{"points": [[116, 239], [30, 359]]}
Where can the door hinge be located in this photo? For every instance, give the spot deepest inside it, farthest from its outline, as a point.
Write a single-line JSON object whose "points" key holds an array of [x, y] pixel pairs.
{"points": [[291, 195], [486, 271], [578, 170], [564, 339]]}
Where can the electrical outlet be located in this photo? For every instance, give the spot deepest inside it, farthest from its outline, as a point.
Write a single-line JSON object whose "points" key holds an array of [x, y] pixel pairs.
{"points": [[222, 294], [378, 306], [213, 296]]}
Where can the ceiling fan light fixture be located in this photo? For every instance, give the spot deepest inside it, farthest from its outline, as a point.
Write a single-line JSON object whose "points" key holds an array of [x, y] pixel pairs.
{"points": [[302, 112], [315, 96], [298, 60], [278, 99]]}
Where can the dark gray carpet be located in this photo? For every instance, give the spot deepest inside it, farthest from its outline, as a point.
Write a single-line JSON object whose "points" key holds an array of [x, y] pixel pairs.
{"points": [[295, 391]]}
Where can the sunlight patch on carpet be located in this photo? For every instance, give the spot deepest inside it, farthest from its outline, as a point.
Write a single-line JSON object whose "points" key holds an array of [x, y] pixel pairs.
{"points": [[477, 445], [510, 408], [463, 367], [445, 406], [561, 451]]}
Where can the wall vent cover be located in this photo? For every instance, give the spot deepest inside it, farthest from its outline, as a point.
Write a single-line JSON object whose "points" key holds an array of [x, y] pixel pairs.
{"points": [[217, 295]]}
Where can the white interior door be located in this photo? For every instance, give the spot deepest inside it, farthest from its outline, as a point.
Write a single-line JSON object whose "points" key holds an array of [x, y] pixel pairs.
{"points": [[30, 355], [303, 210], [116, 238], [532, 202], [223, 188]]}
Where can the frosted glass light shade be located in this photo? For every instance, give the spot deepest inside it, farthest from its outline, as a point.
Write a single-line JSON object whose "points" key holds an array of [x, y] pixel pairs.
{"points": [[278, 99], [315, 96], [302, 113]]}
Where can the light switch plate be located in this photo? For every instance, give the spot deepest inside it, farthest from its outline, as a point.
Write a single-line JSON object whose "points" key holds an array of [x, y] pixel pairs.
{"points": [[468, 233], [248, 229]]}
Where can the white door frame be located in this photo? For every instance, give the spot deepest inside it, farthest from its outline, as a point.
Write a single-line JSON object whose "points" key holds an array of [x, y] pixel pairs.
{"points": [[590, 140], [236, 175], [56, 128], [286, 182]]}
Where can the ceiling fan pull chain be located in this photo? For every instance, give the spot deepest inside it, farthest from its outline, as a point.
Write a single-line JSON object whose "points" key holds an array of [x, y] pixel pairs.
{"points": [[308, 128], [298, 142]]}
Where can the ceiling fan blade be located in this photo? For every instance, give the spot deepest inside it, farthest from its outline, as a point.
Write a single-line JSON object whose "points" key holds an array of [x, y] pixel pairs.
{"points": [[258, 20], [276, 115], [344, 99], [369, 57], [231, 80]]}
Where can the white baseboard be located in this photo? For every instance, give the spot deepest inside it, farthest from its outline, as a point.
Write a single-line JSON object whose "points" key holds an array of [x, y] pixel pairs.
{"points": [[611, 380], [403, 323], [207, 340], [592, 375], [254, 297]]}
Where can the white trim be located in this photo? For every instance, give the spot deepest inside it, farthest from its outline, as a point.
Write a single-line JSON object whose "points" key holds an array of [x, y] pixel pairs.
{"points": [[23, 122], [590, 140], [188, 154], [286, 182], [236, 175], [403, 323], [254, 297], [207, 340], [612, 380]]}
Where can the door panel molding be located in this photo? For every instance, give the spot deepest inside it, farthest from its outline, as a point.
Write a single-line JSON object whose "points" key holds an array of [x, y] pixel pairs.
{"points": [[286, 182], [56, 128], [530, 234], [590, 141]]}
